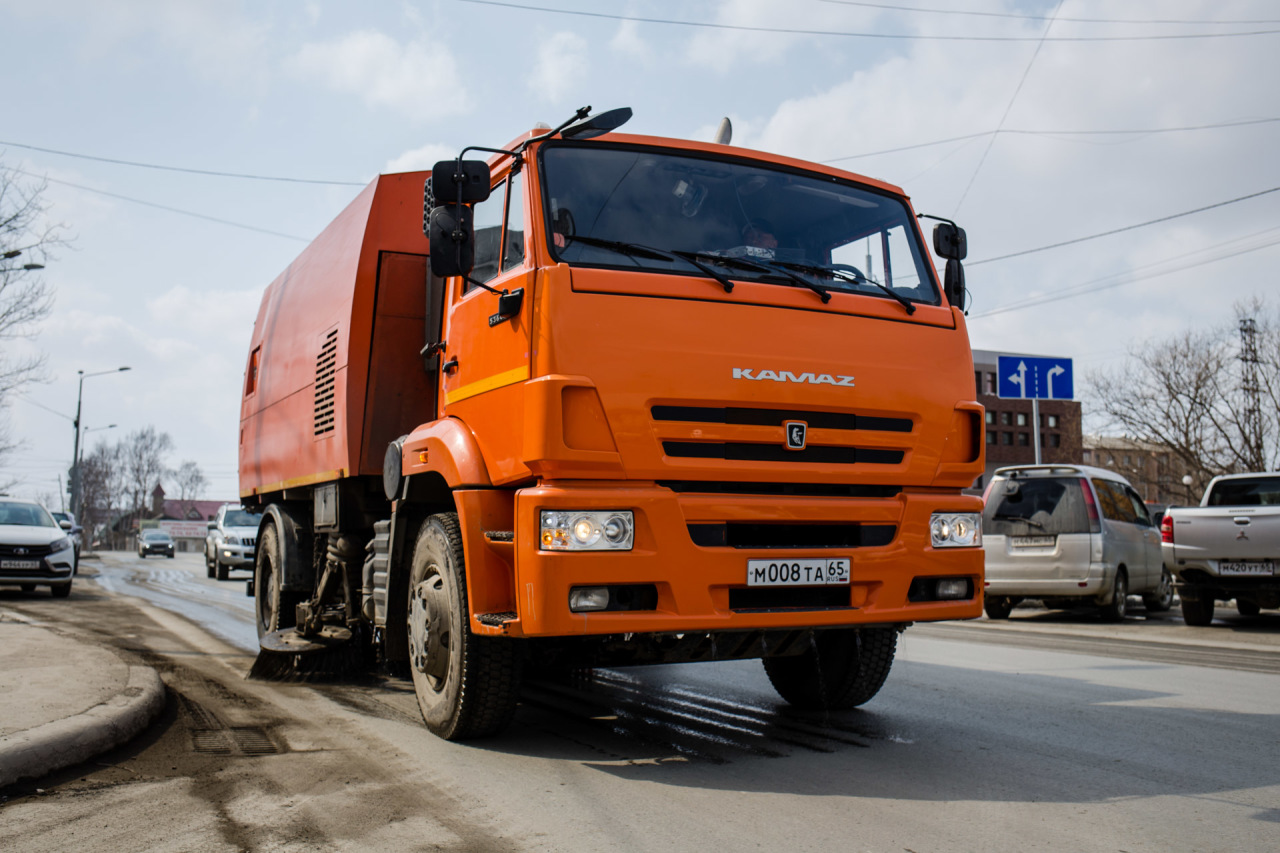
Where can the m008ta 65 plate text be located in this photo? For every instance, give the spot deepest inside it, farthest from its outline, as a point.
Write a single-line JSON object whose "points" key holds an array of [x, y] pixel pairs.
{"points": [[820, 572]]}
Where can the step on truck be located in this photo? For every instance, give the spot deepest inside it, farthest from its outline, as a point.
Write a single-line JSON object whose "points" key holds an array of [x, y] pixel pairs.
{"points": [[602, 400]]}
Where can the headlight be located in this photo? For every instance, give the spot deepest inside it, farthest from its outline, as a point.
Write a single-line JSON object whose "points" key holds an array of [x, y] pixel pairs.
{"points": [[955, 530], [232, 540], [59, 544], [586, 530]]}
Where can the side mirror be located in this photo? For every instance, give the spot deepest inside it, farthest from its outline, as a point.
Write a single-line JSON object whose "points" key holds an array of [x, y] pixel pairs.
{"points": [[213, 525], [453, 244], [65, 525], [598, 125], [949, 241], [953, 284], [469, 176]]}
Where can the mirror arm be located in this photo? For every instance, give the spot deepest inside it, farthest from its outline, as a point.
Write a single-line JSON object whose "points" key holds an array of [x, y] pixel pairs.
{"points": [[582, 113]]}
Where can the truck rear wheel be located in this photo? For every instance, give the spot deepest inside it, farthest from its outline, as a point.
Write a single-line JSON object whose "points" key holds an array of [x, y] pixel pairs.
{"points": [[1197, 609], [842, 669], [275, 607], [467, 685]]}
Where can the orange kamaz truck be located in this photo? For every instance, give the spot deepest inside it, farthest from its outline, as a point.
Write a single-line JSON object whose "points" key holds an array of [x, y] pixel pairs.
{"points": [[604, 400]]}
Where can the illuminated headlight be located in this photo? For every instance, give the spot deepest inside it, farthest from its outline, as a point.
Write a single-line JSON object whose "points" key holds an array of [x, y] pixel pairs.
{"points": [[578, 530], [955, 530], [59, 545]]}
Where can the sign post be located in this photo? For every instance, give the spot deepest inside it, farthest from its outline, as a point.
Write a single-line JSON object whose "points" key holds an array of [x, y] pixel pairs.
{"points": [[1036, 379]]}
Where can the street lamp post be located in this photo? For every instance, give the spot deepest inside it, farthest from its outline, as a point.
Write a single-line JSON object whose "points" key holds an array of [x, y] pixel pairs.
{"points": [[1186, 481], [75, 454]]}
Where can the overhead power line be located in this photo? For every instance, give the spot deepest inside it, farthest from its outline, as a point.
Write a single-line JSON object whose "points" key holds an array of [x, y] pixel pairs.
{"points": [[1021, 17], [869, 35], [191, 171], [1125, 228], [164, 207], [1019, 132]]}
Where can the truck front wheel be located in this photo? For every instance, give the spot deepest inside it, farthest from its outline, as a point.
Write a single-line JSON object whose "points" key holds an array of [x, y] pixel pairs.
{"points": [[467, 685], [841, 669]]}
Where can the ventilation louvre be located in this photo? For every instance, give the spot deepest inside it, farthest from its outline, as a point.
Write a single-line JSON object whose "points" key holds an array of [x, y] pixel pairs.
{"points": [[326, 372]]}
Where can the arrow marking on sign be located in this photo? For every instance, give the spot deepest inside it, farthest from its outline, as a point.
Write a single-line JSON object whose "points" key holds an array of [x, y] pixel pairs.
{"points": [[1020, 378], [1056, 370]]}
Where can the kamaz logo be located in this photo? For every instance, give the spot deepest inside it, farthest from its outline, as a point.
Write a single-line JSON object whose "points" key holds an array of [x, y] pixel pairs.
{"points": [[787, 376]]}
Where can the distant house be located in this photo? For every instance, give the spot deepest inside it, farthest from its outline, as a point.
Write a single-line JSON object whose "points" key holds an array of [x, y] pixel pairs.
{"points": [[187, 521]]}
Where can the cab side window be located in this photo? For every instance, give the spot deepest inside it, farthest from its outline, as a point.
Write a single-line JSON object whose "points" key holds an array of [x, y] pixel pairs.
{"points": [[513, 247], [1139, 508], [1115, 503], [488, 229]]}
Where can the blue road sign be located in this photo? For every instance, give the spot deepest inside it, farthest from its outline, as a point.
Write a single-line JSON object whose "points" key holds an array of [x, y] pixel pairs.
{"points": [[1023, 378]]}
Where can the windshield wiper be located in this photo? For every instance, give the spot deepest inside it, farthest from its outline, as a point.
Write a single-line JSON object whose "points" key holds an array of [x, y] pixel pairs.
{"points": [[1004, 517], [757, 266], [848, 273], [635, 250]]}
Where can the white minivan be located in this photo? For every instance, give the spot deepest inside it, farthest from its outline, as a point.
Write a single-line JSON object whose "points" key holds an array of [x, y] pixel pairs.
{"points": [[1070, 534]]}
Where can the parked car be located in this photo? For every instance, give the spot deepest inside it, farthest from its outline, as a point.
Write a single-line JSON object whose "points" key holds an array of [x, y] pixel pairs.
{"points": [[1228, 547], [231, 543], [1070, 534], [155, 542], [76, 533], [35, 550]]}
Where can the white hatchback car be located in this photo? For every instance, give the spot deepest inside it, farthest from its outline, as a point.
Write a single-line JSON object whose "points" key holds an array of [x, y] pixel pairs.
{"points": [[1070, 534], [35, 550]]}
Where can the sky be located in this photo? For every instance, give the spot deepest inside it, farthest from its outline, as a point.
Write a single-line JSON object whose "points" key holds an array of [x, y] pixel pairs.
{"points": [[1030, 123]]}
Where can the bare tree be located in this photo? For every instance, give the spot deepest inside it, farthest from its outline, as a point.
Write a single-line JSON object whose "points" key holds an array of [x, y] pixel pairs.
{"points": [[142, 456], [27, 239], [1189, 395], [103, 487], [190, 481]]}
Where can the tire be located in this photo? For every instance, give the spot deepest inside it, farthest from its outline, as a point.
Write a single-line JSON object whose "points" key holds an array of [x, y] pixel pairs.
{"points": [[842, 669], [28, 587], [998, 607], [1161, 598], [1196, 609], [60, 590], [220, 571], [467, 685], [1248, 608], [274, 608], [1114, 610], [209, 568], [142, 555]]}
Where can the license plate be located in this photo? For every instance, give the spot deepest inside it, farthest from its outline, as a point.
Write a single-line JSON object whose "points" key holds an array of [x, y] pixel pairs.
{"points": [[1253, 567], [824, 572], [1032, 541], [19, 564]]}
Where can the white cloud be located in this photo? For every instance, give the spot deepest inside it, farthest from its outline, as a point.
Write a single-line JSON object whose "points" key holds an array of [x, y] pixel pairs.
{"points": [[413, 79], [560, 68], [419, 159]]}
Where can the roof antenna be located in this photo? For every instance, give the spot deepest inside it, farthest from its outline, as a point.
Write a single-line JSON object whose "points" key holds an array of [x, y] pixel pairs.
{"points": [[725, 132]]}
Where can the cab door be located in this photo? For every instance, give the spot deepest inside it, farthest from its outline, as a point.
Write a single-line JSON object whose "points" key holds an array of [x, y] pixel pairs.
{"points": [[486, 358]]}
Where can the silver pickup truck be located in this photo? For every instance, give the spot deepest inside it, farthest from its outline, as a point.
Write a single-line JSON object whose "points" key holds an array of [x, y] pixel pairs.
{"points": [[1228, 547]]}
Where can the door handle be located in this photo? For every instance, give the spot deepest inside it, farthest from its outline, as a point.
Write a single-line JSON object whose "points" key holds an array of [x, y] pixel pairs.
{"points": [[1240, 519], [451, 365]]}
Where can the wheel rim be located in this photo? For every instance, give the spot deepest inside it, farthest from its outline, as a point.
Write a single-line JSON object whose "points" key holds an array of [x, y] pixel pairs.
{"points": [[267, 595], [1121, 603], [1165, 592], [430, 630]]}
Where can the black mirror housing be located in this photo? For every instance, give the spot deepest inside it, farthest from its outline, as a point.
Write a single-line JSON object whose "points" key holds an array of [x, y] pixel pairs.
{"points": [[471, 176], [950, 242], [453, 245], [598, 125], [953, 284]]}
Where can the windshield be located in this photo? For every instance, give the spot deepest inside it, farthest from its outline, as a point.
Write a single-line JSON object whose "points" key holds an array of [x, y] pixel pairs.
{"points": [[1260, 491], [26, 515], [836, 234], [156, 536], [239, 518], [1035, 507]]}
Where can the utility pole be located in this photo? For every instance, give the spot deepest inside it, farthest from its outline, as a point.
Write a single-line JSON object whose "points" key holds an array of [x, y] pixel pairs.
{"points": [[1251, 388]]}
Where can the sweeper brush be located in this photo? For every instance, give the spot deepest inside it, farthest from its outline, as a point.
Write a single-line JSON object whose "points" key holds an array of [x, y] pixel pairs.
{"points": [[333, 654]]}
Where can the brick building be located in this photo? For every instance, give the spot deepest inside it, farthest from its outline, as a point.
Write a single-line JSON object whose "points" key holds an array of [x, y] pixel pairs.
{"points": [[1009, 430], [1152, 469]]}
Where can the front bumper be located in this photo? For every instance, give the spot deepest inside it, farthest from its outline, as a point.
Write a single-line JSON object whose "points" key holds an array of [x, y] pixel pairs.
{"points": [[700, 588], [236, 556], [55, 568]]}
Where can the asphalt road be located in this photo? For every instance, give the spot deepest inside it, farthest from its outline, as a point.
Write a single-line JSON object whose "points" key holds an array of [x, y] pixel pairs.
{"points": [[1046, 732]]}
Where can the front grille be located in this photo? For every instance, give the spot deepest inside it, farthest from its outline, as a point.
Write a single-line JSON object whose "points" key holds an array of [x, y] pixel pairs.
{"points": [[766, 599], [751, 452], [807, 490], [776, 417], [735, 534], [25, 552]]}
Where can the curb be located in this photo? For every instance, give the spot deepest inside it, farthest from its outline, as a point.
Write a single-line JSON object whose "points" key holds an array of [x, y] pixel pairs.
{"points": [[62, 743]]}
